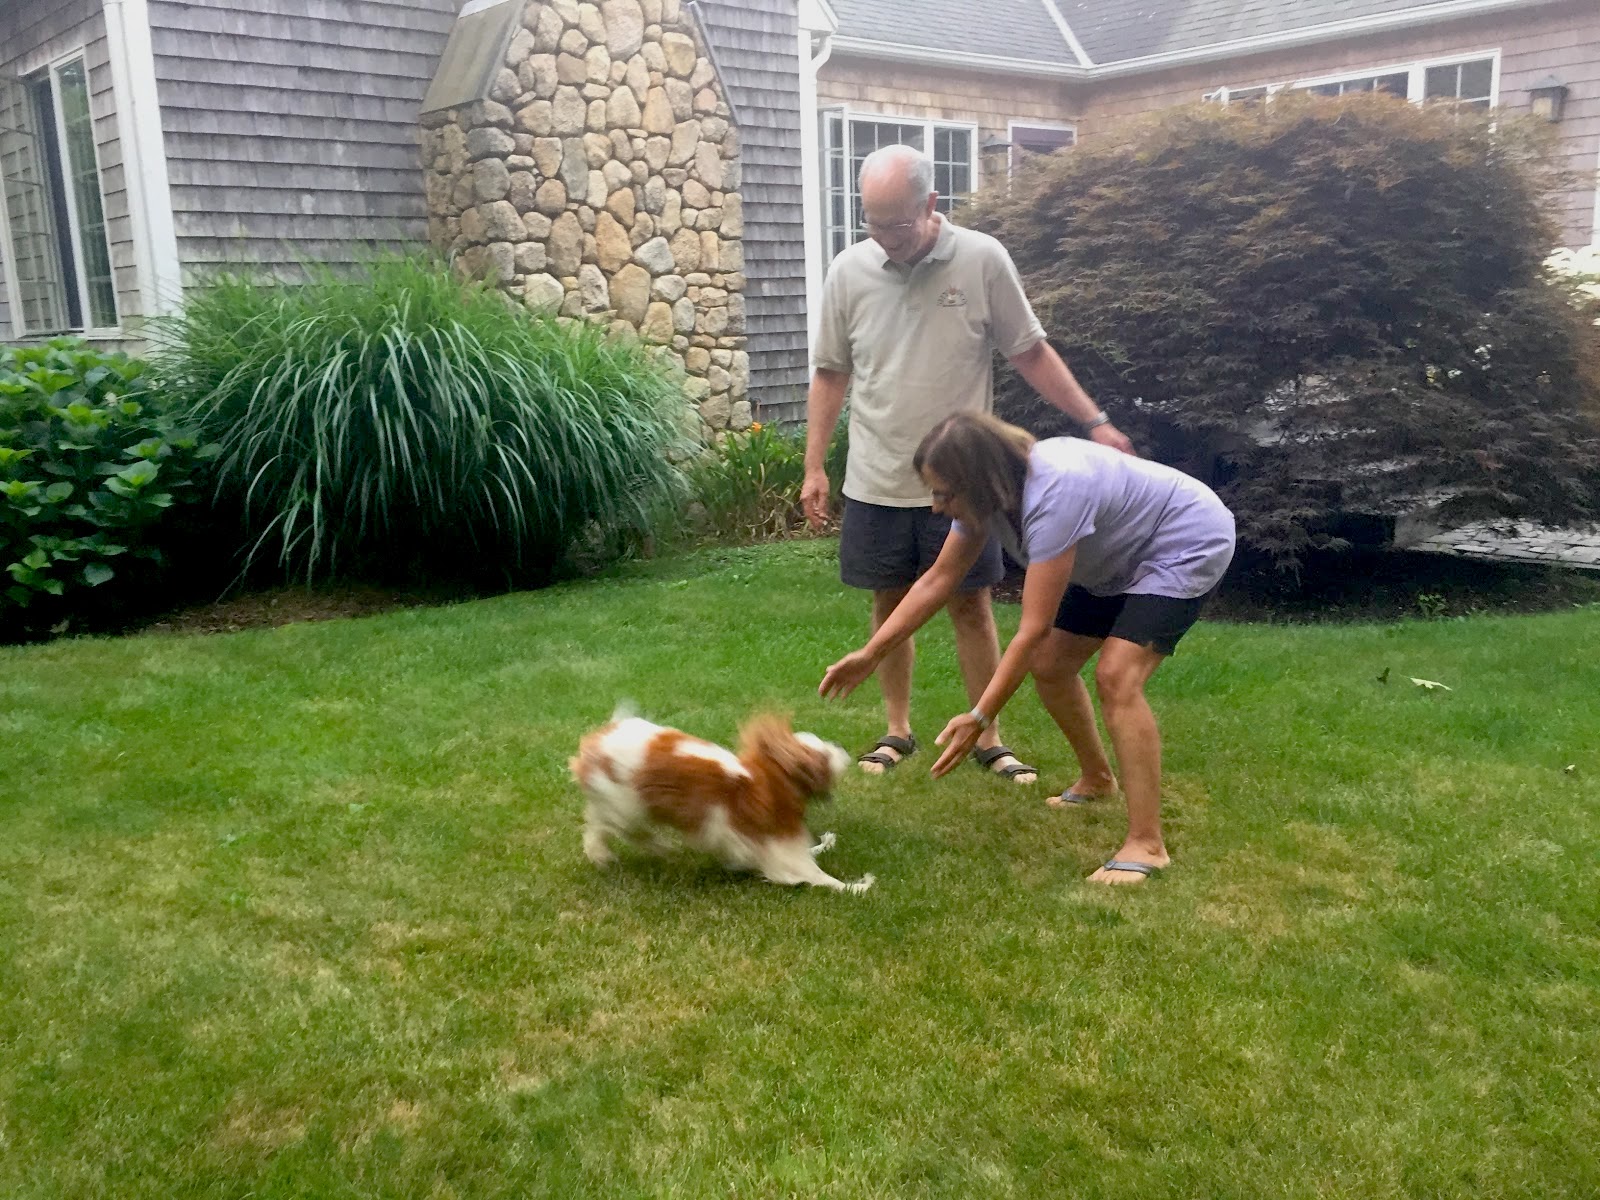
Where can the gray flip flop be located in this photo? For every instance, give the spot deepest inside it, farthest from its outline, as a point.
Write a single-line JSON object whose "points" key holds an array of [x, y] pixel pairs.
{"points": [[1138, 868]]}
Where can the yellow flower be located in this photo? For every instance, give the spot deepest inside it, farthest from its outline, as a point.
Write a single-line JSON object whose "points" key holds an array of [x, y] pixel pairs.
{"points": [[755, 427]]}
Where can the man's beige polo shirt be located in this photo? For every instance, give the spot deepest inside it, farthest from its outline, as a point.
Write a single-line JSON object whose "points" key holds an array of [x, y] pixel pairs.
{"points": [[918, 343]]}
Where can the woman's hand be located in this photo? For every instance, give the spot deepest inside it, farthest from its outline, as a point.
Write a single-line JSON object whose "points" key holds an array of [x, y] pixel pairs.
{"points": [[958, 739], [846, 675]]}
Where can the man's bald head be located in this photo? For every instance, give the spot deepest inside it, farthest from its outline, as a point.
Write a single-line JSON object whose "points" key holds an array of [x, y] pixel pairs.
{"points": [[897, 200], [898, 168]]}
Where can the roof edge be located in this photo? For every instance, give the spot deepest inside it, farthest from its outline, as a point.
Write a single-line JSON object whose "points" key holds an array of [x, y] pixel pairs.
{"points": [[1329, 31], [1444, 10], [1067, 35]]}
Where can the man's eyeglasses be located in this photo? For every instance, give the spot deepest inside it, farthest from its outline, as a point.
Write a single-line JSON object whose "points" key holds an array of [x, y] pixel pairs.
{"points": [[892, 227]]}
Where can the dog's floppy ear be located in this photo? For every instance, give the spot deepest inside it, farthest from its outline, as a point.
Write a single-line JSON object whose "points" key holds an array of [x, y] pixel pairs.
{"points": [[771, 737]]}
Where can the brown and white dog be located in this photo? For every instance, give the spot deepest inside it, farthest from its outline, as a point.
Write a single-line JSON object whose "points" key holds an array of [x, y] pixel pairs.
{"points": [[749, 810]]}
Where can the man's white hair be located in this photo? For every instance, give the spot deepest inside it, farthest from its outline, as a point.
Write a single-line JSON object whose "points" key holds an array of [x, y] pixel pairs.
{"points": [[918, 167]]}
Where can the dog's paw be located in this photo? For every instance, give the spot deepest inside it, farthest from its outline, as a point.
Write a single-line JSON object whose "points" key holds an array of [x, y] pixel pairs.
{"points": [[862, 884], [824, 843]]}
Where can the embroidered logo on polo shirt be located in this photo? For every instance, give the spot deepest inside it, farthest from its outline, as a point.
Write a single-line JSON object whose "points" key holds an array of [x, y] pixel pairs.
{"points": [[952, 298]]}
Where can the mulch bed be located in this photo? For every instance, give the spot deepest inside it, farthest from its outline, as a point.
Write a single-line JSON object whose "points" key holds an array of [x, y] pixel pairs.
{"points": [[1381, 586], [286, 606]]}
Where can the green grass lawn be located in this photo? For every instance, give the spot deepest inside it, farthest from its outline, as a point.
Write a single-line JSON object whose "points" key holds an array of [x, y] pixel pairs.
{"points": [[303, 912]]}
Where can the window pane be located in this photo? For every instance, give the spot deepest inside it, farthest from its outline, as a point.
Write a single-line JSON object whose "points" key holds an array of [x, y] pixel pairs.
{"points": [[1327, 89], [1043, 141], [1477, 79], [1397, 84], [1441, 83], [957, 167], [836, 193], [27, 123], [84, 172], [865, 137]]}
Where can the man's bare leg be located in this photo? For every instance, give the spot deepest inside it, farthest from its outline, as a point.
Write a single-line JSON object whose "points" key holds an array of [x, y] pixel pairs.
{"points": [[978, 652], [894, 678]]}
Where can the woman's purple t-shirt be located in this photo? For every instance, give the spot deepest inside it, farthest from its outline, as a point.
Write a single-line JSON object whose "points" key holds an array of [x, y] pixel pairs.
{"points": [[1139, 527]]}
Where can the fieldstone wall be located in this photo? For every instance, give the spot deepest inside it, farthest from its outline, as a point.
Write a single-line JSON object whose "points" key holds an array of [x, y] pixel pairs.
{"points": [[600, 178]]}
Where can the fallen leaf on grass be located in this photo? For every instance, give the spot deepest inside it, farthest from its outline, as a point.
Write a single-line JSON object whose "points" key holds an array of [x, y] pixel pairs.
{"points": [[1431, 684]]}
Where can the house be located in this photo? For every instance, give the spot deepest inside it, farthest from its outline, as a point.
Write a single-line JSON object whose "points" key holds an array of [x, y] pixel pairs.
{"points": [[143, 141]]}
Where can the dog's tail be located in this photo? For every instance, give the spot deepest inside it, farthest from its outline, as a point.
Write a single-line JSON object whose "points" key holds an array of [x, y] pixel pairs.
{"points": [[625, 710]]}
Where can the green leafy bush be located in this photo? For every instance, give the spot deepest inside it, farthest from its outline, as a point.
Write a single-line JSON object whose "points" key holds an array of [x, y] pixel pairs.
{"points": [[90, 465], [748, 484], [1324, 307], [398, 423]]}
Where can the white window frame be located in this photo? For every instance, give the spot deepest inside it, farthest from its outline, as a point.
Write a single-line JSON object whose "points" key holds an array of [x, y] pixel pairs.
{"points": [[1226, 95], [830, 168], [52, 71], [1594, 229], [1052, 126], [1415, 70]]}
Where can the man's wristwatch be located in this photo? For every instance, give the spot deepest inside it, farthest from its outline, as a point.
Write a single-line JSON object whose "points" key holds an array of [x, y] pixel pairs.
{"points": [[1102, 418], [982, 718]]}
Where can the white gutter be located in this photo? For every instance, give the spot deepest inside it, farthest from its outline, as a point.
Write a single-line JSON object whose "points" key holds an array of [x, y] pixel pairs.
{"points": [[144, 155], [818, 23], [1066, 32], [1331, 31], [890, 52]]}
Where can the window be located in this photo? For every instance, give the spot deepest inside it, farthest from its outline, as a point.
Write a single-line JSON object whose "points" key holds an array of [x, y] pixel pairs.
{"points": [[1396, 83], [1469, 82], [1464, 81], [848, 139], [1028, 140], [1249, 97], [50, 197]]}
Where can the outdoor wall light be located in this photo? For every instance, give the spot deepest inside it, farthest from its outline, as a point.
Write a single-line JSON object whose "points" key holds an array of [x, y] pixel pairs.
{"points": [[1548, 97]]}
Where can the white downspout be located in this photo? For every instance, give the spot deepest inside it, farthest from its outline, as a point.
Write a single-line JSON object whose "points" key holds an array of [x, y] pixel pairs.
{"points": [[144, 155], [816, 18]]}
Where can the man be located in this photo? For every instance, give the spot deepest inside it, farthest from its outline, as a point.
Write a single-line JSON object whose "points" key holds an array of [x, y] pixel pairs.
{"points": [[913, 316]]}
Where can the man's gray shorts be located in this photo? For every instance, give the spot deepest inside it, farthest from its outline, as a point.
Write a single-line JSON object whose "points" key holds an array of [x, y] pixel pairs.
{"points": [[885, 549]]}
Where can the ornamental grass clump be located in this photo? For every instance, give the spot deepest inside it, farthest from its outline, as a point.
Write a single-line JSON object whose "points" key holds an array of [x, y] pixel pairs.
{"points": [[395, 422], [1323, 307]]}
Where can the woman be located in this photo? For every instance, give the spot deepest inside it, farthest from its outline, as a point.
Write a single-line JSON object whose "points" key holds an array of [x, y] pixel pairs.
{"points": [[1120, 553]]}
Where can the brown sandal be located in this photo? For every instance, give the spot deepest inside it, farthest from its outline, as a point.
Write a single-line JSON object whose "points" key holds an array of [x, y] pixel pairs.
{"points": [[905, 747], [987, 758]]}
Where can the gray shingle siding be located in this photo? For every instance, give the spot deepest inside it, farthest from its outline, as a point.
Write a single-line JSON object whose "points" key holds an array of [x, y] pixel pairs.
{"points": [[291, 128], [756, 45], [1017, 29]]}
